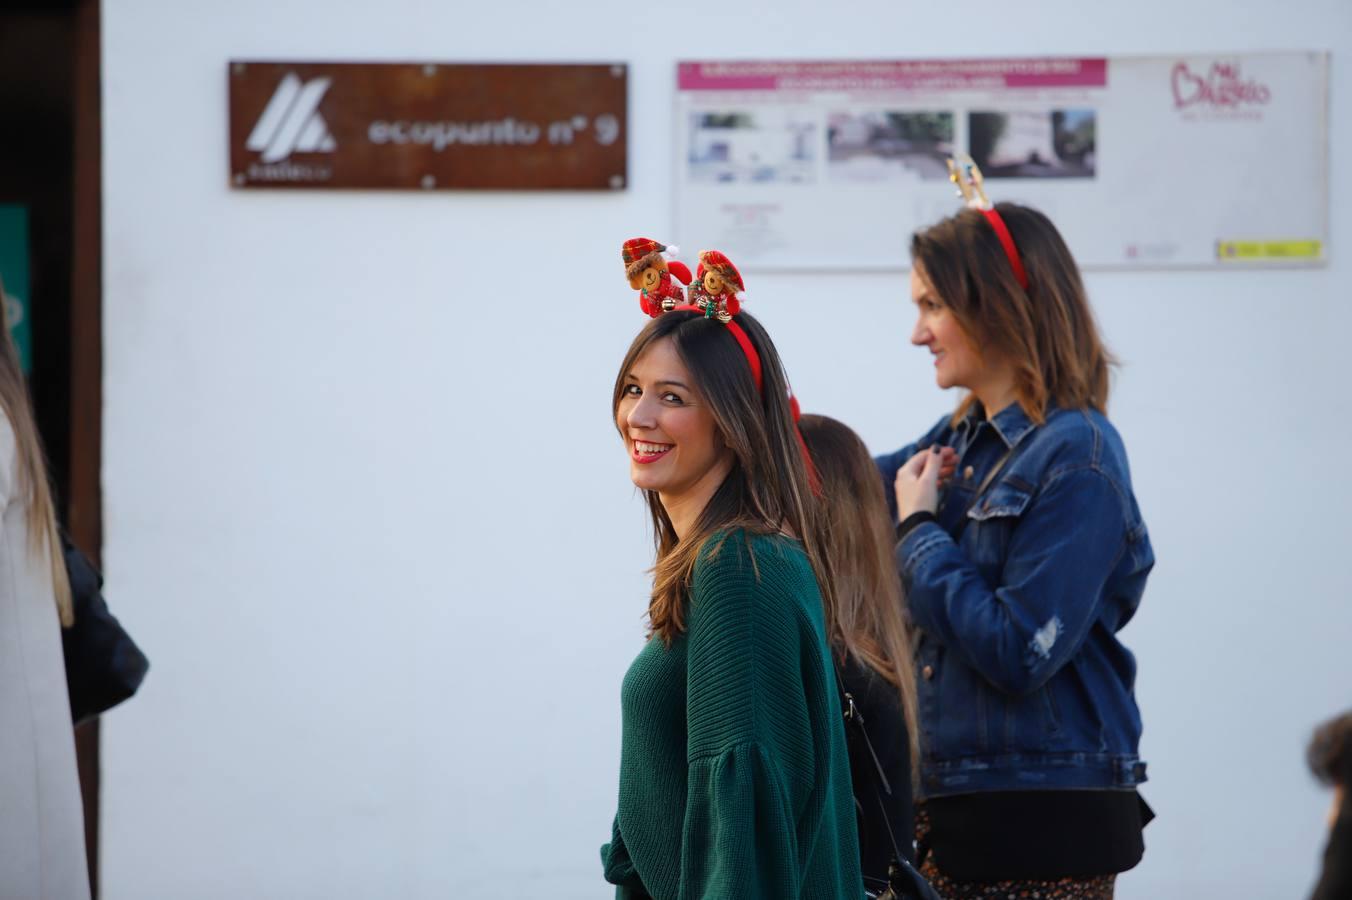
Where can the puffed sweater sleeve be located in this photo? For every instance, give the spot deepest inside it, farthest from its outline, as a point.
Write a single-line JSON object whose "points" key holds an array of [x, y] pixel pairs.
{"points": [[749, 748], [619, 868]]}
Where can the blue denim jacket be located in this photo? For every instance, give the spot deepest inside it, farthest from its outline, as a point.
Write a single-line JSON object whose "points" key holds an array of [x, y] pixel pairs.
{"points": [[1019, 594]]}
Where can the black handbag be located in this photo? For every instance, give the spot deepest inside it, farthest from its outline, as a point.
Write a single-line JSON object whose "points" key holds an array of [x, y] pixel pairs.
{"points": [[103, 664], [904, 881]]}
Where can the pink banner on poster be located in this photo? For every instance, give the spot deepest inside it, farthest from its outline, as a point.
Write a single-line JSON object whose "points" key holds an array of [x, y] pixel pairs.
{"points": [[944, 74]]}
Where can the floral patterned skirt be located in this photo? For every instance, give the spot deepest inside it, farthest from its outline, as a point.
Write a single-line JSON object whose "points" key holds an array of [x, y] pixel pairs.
{"points": [[1098, 887]]}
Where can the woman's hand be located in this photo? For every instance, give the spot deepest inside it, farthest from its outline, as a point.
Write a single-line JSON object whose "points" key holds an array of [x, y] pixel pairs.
{"points": [[917, 483]]}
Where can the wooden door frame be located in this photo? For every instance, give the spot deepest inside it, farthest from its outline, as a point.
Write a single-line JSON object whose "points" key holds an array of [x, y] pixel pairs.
{"points": [[84, 510]]}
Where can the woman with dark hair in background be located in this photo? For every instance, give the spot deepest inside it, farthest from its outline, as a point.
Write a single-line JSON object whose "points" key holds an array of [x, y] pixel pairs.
{"points": [[1330, 758], [42, 847], [734, 775], [1020, 572], [869, 634]]}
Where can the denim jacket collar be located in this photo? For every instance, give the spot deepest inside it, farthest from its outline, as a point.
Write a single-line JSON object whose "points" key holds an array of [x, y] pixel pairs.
{"points": [[1011, 423]]}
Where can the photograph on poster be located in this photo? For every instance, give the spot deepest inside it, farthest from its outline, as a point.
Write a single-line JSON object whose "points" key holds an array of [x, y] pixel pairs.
{"points": [[766, 145], [882, 145], [1054, 143]]}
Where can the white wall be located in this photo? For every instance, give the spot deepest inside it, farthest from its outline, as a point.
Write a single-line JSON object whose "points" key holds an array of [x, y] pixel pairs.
{"points": [[366, 513]]}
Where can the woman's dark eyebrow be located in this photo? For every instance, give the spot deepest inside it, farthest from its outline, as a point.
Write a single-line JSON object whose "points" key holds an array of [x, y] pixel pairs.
{"points": [[680, 384]]}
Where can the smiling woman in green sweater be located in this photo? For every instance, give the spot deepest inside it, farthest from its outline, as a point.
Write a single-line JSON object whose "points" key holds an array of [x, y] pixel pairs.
{"points": [[734, 774]]}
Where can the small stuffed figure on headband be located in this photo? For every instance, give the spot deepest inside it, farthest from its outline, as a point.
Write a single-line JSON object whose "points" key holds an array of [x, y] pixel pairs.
{"points": [[650, 274], [717, 283]]}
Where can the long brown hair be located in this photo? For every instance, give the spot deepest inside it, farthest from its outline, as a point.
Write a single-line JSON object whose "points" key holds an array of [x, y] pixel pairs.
{"points": [[1047, 332], [33, 489], [766, 489], [871, 624]]}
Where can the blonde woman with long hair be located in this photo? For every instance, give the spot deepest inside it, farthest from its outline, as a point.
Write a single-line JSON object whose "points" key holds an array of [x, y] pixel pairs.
{"points": [[42, 849]]}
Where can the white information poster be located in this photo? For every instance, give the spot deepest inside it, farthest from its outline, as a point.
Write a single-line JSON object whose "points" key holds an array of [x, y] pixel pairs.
{"points": [[1141, 162]]}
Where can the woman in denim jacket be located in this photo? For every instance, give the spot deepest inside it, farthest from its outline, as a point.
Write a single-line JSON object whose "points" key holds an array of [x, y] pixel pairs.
{"points": [[1023, 554]]}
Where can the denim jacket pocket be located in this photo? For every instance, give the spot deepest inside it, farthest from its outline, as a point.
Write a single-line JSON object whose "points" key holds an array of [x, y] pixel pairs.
{"points": [[993, 517], [1009, 497]]}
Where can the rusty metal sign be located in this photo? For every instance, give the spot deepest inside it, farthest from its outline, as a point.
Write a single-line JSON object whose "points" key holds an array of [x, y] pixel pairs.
{"points": [[428, 126]]}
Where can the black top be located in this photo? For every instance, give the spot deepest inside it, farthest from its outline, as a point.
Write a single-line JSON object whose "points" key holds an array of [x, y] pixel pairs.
{"points": [[1335, 882], [1004, 835], [885, 725]]}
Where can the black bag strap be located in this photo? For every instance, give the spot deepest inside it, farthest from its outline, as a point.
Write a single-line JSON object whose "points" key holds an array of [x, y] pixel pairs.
{"points": [[904, 882]]}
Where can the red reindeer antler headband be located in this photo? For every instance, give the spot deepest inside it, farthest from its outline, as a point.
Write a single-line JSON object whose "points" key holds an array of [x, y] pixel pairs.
{"points": [[964, 172]]}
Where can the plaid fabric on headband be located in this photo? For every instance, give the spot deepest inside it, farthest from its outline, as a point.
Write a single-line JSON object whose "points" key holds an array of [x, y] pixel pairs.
{"points": [[712, 259], [636, 248]]}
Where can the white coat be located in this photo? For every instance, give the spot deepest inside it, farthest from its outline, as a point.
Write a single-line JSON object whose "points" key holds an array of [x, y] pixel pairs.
{"points": [[42, 846]]}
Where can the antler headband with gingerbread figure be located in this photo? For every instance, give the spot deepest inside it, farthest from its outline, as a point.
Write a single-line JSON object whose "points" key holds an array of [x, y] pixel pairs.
{"points": [[964, 172]]}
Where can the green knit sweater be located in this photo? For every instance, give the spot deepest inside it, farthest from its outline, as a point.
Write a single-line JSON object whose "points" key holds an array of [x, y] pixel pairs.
{"points": [[734, 778]]}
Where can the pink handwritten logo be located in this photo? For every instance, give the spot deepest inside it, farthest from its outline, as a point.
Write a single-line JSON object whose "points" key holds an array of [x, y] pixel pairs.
{"points": [[1221, 88]]}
